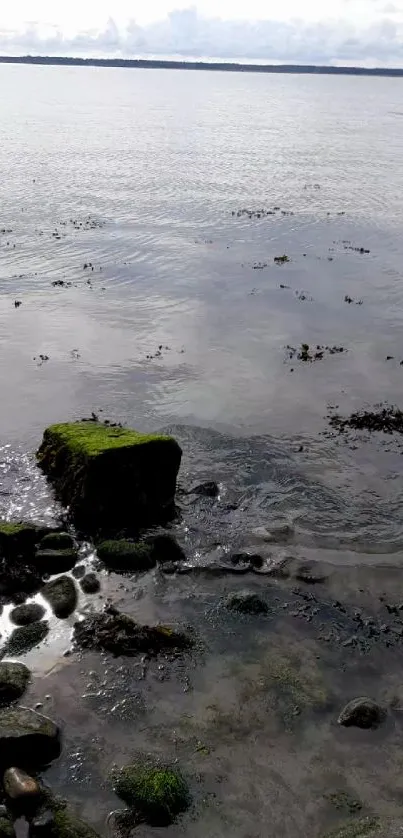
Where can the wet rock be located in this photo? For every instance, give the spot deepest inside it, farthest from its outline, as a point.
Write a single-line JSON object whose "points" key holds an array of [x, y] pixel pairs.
{"points": [[79, 571], [357, 828], [55, 561], [157, 794], [362, 712], [57, 541], [114, 632], [19, 786], [209, 489], [90, 584], [254, 560], [18, 580], [165, 548], [306, 573], [27, 738], [19, 539], [25, 638], [14, 679], [42, 825], [30, 612], [246, 603], [389, 420], [61, 593], [125, 555], [111, 476]]}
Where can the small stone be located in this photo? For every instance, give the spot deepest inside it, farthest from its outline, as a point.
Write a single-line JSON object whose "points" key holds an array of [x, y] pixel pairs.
{"points": [[61, 593], [362, 712], [246, 603], [29, 612], [90, 584], [79, 571], [19, 785], [14, 679], [209, 489], [25, 638]]}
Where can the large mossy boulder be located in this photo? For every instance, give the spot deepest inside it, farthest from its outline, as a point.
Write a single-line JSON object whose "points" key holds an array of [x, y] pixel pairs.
{"points": [[110, 476], [18, 539], [27, 738], [156, 794], [112, 631], [123, 555], [14, 680]]}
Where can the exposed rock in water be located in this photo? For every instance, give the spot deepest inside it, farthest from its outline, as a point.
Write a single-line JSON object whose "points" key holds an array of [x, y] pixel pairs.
{"points": [[79, 571], [19, 539], [362, 712], [111, 476], [29, 612], [55, 561], [119, 634], [125, 555], [61, 593], [27, 738], [18, 785], [306, 573], [42, 824], [6, 828], [251, 560], [158, 795], [246, 603], [386, 419], [209, 489], [90, 584], [25, 638], [14, 679], [57, 541], [165, 548]]}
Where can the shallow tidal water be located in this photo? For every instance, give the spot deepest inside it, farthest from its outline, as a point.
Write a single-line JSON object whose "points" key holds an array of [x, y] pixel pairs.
{"points": [[134, 284]]}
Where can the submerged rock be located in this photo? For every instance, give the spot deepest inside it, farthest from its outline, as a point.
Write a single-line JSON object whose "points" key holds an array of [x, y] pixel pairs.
{"points": [[14, 679], [25, 638], [57, 541], [362, 712], [158, 795], [55, 561], [209, 489], [126, 555], [27, 738], [19, 786], [61, 593], [112, 631], [90, 584], [111, 476], [246, 603], [29, 612]]}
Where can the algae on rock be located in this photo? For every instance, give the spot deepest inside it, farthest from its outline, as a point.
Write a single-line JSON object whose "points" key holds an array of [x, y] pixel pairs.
{"points": [[112, 631], [156, 794], [124, 555], [110, 476]]}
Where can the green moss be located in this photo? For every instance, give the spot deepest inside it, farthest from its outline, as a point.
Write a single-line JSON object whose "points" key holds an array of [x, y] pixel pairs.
{"points": [[61, 593], [6, 828], [157, 794], [126, 555], [67, 825], [111, 477], [25, 638], [57, 541], [18, 538], [356, 829]]}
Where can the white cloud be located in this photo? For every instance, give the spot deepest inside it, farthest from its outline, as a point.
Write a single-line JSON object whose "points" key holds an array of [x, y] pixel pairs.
{"points": [[375, 37]]}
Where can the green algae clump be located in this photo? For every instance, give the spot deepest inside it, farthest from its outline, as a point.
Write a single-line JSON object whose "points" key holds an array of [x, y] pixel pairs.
{"points": [[111, 476], [67, 825], [126, 555], [158, 795]]}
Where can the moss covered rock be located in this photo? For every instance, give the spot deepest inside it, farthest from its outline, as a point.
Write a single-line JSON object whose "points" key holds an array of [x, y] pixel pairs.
{"points": [[126, 555], [111, 476], [14, 679], [157, 794], [246, 602], [25, 638], [112, 631], [19, 539], [27, 738], [55, 561], [362, 712], [56, 541], [6, 828], [29, 612], [67, 825], [61, 593], [90, 583]]}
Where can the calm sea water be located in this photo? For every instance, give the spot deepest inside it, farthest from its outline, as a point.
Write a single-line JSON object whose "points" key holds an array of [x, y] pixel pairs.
{"points": [[124, 189]]}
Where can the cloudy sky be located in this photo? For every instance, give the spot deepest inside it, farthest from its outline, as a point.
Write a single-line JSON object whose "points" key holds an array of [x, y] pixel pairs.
{"points": [[366, 32]]}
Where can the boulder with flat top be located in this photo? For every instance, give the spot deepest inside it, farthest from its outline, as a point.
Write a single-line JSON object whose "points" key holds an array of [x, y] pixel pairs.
{"points": [[111, 477]]}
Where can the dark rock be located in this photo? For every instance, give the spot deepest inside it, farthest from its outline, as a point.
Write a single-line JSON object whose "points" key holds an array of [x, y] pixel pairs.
{"points": [[67, 825], [25, 638], [111, 476], [61, 593], [6, 828], [362, 712], [112, 631], [210, 489], [55, 561], [79, 571], [306, 573], [90, 584], [165, 548], [27, 738], [157, 794], [19, 786], [57, 541], [252, 559], [42, 824], [14, 679], [18, 580], [19, 539], [30, 612], [246, 603], [126, 555]]}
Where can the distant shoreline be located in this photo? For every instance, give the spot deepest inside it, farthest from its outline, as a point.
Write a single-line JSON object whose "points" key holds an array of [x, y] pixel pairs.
{"points": [[144, 64]]}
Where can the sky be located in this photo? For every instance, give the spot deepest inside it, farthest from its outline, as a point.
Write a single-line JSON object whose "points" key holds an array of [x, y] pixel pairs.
{"points": [[362, 32]]}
